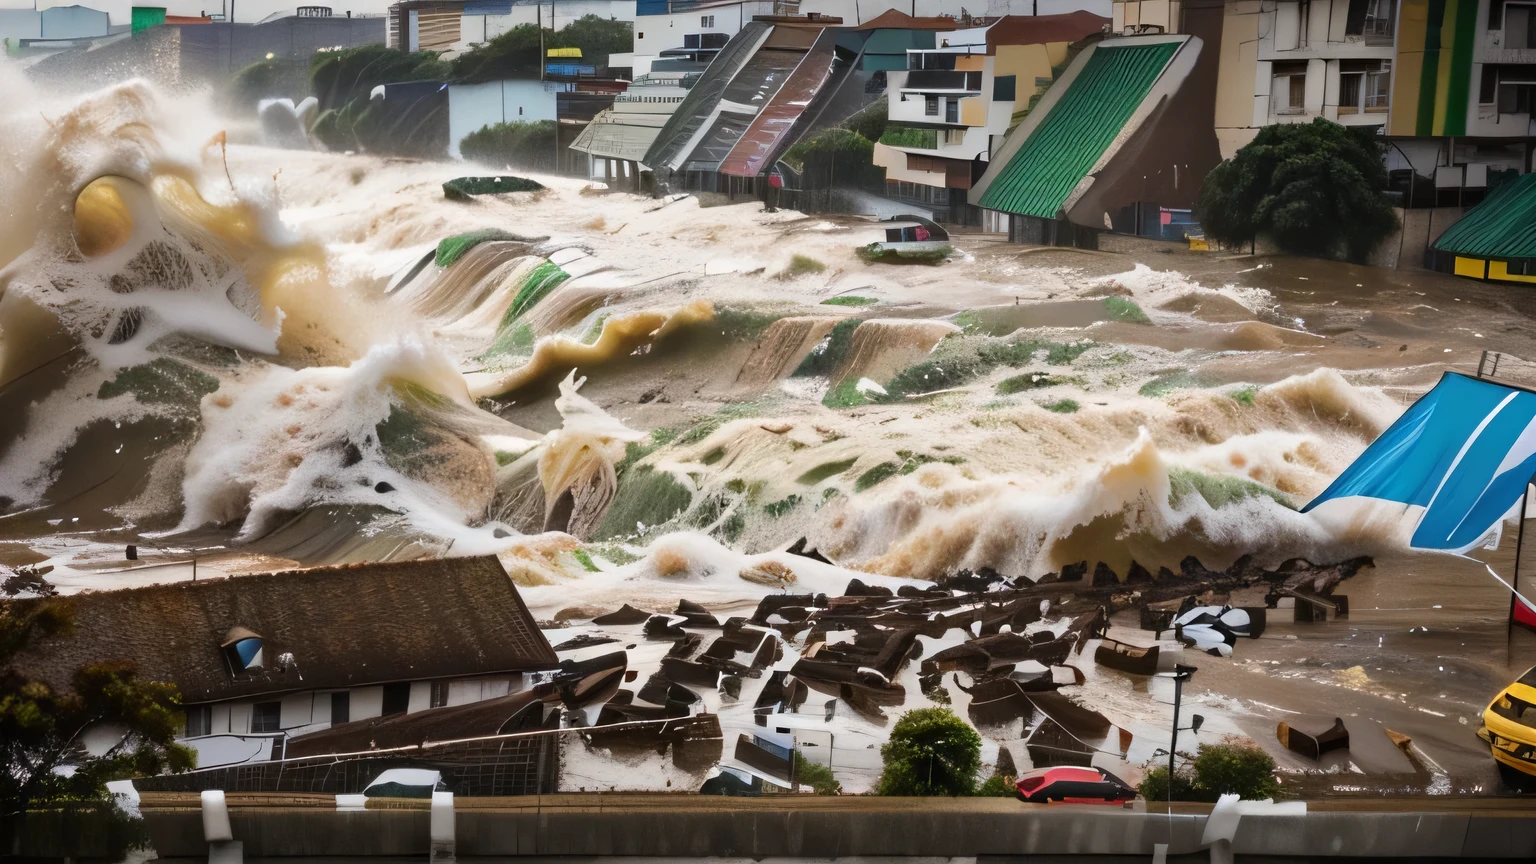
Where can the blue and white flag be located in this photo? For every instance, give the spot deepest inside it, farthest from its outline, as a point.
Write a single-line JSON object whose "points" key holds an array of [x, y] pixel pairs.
{"points": [[1464, 452]]}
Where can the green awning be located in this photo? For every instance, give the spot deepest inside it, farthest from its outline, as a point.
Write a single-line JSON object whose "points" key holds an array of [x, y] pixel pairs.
{"points": [[1503, 226], [1064, 147]]}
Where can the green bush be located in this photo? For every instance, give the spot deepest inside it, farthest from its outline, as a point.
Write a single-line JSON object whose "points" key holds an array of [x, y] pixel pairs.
{"points": [[802, 265], [1316, 188], [1062, 406], [1229, 768], [1021, 383], [931, 751], [1124, 310], [526, 145], [835, 141], [817, 776], [849, 300], [910, 136], [871, 120], [845, 395], [998, 786]]}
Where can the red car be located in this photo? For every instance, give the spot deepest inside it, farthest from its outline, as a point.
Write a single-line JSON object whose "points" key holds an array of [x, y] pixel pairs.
{"points": [[1073, 785]]}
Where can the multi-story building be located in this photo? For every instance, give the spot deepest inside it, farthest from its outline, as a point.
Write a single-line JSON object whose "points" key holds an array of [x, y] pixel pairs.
{"points": [[956, 99], [617, 138], [1448, 84], [1122, 140], [1304, 59]]}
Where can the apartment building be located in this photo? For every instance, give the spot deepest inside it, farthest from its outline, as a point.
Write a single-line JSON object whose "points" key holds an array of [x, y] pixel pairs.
{"points": [[952, 105]]}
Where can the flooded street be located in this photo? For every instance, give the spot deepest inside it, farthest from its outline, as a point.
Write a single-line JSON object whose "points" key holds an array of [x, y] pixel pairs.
{"points": [[302, 359]]}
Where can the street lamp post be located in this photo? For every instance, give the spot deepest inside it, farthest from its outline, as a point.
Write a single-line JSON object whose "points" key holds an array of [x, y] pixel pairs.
{"points": [[1181, 673]]}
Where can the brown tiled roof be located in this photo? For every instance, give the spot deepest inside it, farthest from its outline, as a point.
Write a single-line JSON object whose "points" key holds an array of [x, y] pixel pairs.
{"points": [[346, 626], [895, 19], [1042, 29]]}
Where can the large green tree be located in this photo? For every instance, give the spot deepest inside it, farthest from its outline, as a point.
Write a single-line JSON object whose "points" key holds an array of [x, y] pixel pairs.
{"points": [[1315, 188], [931, 752], [42, 761]]}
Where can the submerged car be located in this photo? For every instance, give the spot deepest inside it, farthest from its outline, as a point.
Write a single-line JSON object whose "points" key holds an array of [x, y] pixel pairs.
{"points": [[1509, 728], [1073, 785]]}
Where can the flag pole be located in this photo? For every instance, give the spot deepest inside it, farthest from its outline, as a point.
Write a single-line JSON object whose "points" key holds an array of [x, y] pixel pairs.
{"points": [[1514, 595]]}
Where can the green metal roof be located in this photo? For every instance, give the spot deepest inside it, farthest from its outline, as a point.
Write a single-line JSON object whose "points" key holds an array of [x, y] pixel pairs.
{"points": [[1503, 226], [1062, 150]]}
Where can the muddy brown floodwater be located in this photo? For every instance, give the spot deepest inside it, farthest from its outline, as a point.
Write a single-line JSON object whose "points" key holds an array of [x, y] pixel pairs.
{"points": [[643, 401]]}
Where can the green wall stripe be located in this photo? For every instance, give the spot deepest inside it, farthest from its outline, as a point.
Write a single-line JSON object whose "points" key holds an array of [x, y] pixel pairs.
{"points": [[1461, 68], [1429, 75]]}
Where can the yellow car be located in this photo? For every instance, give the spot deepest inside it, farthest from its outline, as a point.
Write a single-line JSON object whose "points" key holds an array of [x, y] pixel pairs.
{"points": [[1509, 727]]}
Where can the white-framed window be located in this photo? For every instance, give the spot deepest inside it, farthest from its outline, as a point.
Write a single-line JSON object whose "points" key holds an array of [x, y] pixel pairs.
{"points": [[707, 21], [1364, 86], [931, 106], [1288, 90]]}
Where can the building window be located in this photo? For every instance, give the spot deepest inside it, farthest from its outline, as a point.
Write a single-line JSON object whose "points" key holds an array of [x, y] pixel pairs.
{"points": [[707, 21], [1364, 84], [341, 708], [267, 717], [439, 694], [951, 111], [1519, 27], [199, 720], [397, 698], [931, 106], [1004, 88], [1378, 87], [1288, 92], [1373, 19]]}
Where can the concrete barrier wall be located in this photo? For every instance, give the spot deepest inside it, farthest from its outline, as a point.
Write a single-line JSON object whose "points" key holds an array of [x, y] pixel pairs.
{"points": [[809, 827]]}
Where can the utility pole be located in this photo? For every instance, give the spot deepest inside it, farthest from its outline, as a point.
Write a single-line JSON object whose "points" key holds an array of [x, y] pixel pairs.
{"points": [[1181, 673]]}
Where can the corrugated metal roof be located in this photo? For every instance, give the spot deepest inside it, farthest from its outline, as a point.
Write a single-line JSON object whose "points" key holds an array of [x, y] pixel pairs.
{"points": [[1064, 147], [1503, 226], [615, 135], [764, 137]]}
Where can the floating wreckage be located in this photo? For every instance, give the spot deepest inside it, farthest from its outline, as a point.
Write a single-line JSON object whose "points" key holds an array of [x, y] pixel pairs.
{"points": [[466, 188]]}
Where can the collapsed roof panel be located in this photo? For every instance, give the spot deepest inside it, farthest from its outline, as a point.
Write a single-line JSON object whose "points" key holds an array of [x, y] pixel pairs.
{"points": [[698, 108], [770, 128], [1048, 159]]}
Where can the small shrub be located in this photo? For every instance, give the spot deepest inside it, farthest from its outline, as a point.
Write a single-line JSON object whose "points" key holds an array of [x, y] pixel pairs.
{"points": [[584, 558], [931, 751], [1062, 406], [1244, 396], [1062, 353], [1232, 767], [844, 395], [1021, 383], [817, 776], [527, 145], [997, 786], [1125, 311], [849, 300], [802, 265]]}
